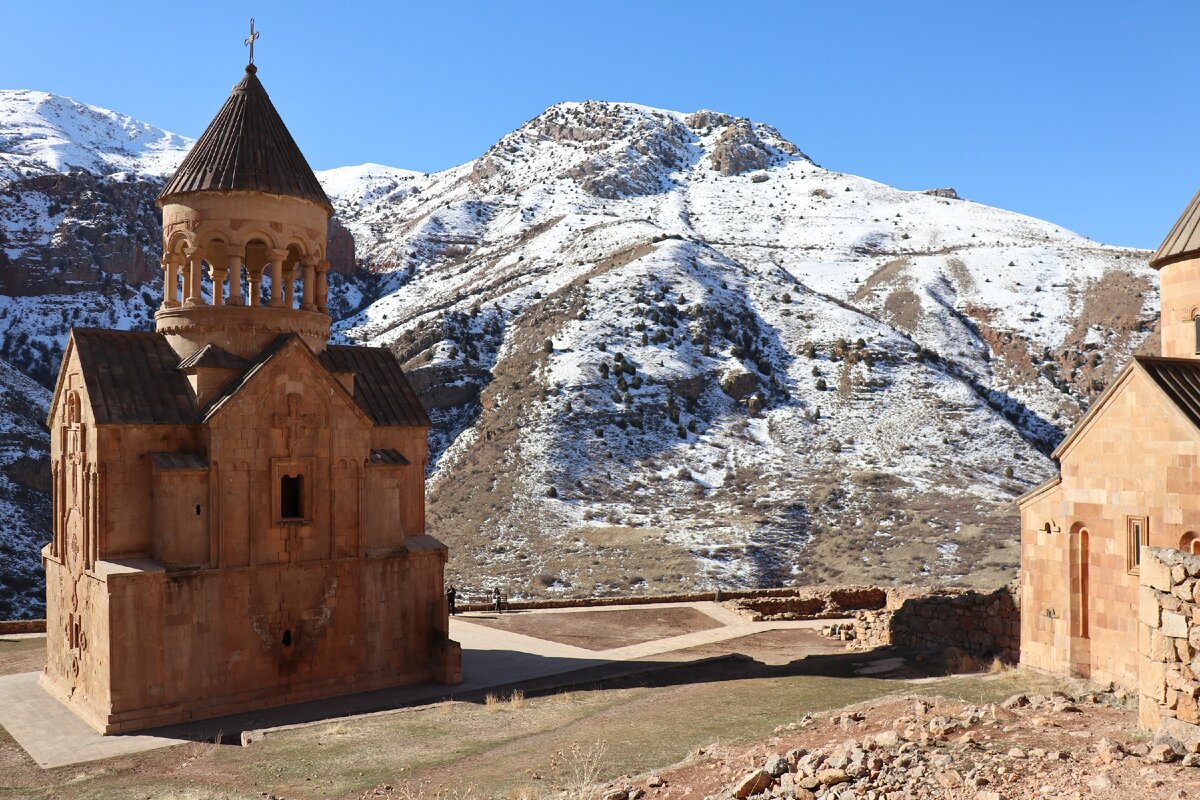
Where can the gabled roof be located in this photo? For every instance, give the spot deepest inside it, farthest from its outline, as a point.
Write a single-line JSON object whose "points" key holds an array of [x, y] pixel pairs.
{"points": [[1184, 239], [247, 147], [1039, 490], [380, 387], [261, 363], [212, 357], [1177, 378], [135, 377], [131, 378]]}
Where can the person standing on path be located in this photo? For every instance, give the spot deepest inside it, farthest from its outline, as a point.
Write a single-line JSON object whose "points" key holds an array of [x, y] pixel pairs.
{"points": [[451, 593], [496, 598]]}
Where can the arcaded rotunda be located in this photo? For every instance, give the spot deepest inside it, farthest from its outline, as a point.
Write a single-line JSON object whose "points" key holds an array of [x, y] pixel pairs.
{"points": [[239, 514]]}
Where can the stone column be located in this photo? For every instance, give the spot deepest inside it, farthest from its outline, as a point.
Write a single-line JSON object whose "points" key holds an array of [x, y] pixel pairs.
{"points": [[171, 280], [310, 283], [289, 286], [195, 268], [217, 276], [277, 258], [255, 276], [323, 287], [234, 256]]}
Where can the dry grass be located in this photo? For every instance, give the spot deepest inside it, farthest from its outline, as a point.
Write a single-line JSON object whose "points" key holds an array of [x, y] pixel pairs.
{"points": [[578, 770], [494, 703]]}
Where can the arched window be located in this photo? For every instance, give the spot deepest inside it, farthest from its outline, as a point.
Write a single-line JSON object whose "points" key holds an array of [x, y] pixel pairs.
{"points": [[1080, 565]]}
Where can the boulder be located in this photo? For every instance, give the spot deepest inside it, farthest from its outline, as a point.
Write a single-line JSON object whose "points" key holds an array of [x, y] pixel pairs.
{"points": [[754, 783]]}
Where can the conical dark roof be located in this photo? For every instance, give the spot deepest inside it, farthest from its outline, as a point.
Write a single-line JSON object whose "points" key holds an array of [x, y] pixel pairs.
{"points": [[247, 147], [1184, 239]]}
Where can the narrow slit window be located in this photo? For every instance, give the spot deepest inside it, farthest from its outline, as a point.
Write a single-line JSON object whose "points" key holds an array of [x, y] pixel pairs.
{"points": [[1137, 537], [291, 497], [1197, 322]]}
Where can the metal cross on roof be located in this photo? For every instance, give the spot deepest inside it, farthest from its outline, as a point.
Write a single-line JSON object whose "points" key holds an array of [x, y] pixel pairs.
{"points": [[250, 39]]}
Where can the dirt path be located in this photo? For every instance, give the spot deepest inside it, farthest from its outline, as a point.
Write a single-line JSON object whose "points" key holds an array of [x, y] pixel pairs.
{"points": [[601, 630]]}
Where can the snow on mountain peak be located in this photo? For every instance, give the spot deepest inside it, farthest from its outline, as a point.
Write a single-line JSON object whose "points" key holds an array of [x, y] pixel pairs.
{"points": [[364, 183], [615, 150], [42, 133]]}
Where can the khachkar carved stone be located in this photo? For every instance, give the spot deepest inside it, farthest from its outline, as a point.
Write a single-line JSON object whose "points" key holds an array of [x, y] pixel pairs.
{"points": [[239, 506]]}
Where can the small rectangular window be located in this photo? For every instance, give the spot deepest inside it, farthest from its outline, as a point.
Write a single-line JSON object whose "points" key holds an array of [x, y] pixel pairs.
{"points": [[1136, 536], [1197, 321], [291, 497]]}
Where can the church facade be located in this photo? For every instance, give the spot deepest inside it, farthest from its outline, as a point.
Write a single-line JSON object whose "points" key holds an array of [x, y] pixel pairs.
{"points": [[238, 505], [1129, 478]]}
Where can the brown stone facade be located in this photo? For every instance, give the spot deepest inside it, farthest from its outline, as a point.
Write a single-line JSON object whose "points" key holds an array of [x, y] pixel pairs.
{"points": [[175, 587], [239, 515], [1128, 478], [1129, 484]]}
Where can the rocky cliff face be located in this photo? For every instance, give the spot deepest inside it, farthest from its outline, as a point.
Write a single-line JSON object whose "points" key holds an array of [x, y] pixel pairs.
{"points": [[660, 350]]}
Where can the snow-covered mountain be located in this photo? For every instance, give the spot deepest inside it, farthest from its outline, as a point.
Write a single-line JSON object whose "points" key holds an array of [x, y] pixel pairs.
{"points": [[665, 350], [671, 349], [43, 133]]}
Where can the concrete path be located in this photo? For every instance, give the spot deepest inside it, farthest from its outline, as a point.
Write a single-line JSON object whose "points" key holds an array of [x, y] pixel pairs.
{"points": [[54, 737], [52, 734]]}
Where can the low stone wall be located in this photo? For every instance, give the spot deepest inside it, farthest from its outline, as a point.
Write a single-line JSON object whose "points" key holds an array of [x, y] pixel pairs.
{"points": [[1168, 641], [22, 626], [754, 603], [813, 603], [983, 625]]}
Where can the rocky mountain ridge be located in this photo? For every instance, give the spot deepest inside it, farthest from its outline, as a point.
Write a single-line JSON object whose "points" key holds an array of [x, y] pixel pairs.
{"points": [[702, 359], [661, 350]]}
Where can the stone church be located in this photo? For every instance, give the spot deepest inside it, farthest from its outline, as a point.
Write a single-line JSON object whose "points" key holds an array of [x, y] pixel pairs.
{"points": [[238, 505], [1129, 478]]}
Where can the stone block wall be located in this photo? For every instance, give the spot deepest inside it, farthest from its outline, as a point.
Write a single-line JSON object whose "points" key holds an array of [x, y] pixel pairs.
{"points": [[1168, 638], [984, 625], [812, 603]]}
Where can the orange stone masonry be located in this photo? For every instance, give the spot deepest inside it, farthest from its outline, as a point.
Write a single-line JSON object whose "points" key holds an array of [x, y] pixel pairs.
{"points": [[239, 515], [1129, 480]]}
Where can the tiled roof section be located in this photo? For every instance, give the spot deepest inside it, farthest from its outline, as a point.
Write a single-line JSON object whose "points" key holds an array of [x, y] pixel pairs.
{"points": [[1179, 378], [135, 377], [131, 377], [247, 147], [388, 458], [258, 363], [380, 387], [182, 461], [1184, 239], [214, 357]]}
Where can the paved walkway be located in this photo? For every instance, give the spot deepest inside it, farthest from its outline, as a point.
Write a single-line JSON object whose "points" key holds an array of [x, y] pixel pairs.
{"points": [[492, 658]]}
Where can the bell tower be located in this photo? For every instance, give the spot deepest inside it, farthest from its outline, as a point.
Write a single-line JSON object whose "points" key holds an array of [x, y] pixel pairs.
{"points": [[244, 235], [1178, 263]]}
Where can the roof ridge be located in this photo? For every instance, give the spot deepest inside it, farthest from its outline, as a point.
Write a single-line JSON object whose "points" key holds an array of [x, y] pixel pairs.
{"points": [[1183, 240]]}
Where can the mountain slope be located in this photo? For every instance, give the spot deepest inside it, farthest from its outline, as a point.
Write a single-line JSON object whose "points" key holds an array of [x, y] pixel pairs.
{"points": [[819, 374], [24, 491]]}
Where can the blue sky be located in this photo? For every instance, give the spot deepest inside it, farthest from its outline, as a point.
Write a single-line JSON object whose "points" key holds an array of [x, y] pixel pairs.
{"points": [[1080, 113]]}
